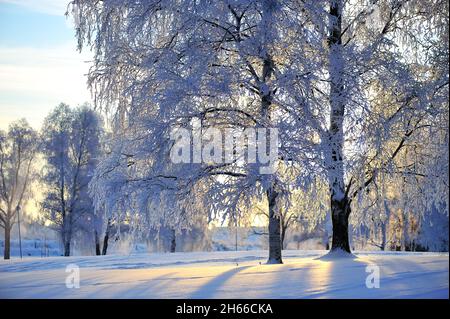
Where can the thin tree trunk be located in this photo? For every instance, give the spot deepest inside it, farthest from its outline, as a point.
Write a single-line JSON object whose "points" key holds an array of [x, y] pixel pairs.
{"points": [[384, 225], [275, 244], [173, 242], [383, 236], [67, 240], [326, 240], [105, 244], [283, 236], [406, 244], [97, 244], [67, 248], [7, 251], [68, 234], [106, 238]]}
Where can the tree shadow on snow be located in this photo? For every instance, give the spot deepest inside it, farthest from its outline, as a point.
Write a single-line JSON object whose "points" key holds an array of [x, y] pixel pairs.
{"points": [[211, 287]]}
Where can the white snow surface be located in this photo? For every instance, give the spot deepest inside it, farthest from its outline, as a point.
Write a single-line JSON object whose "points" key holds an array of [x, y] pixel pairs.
{"points": [[241, 274]]}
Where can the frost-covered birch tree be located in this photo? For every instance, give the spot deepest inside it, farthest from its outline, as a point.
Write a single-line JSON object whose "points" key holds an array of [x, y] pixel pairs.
{"points": [[356, 52], [212, 61]]}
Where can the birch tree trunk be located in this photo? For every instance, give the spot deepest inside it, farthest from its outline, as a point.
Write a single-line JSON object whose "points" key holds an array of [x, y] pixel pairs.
{"points": [[68, 230], [7, 250], [340, 204], [173, 243], [275, 242], [383, 236], [384, 225], [405, 236], [106, 238], [275, 245], [67, 241], [97, 244], [283, 236]]}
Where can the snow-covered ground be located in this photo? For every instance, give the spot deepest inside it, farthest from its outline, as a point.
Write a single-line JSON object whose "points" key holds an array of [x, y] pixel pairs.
{"points": [[228, 275]]}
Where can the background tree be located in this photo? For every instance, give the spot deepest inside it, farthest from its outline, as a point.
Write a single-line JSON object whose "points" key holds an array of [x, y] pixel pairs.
{"points": [[18, 148], [71, 146]]}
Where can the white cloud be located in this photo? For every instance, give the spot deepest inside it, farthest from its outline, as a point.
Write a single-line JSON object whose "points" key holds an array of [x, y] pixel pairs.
{"points": [[53, 7]]}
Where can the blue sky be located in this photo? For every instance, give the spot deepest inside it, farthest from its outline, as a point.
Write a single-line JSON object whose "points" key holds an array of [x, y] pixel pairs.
{"points": [[39, 64], [22, 26]]}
